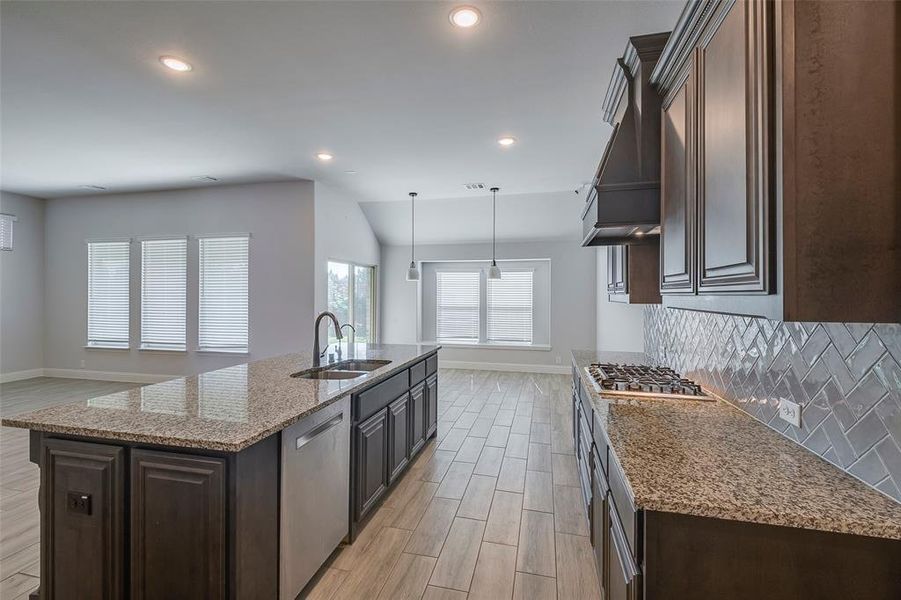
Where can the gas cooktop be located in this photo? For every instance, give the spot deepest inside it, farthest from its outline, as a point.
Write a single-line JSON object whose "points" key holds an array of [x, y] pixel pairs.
{"points": [[641, 380]]}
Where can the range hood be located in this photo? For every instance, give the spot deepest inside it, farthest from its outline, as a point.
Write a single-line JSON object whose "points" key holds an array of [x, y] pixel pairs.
{"points": [[623, 205]]}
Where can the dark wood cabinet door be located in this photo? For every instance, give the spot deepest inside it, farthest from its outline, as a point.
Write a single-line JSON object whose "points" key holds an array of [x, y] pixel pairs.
{"points": [[371, 461], [418, 423], [734, 150], [178, 521], [617, 266], [599, 531], [398, 436], [677, 187], [623, 577], [83, 507], [431, 391]]}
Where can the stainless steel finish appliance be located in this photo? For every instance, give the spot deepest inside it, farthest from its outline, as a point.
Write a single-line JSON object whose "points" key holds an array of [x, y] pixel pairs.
{"points": [[315, 494], [643, 381]]}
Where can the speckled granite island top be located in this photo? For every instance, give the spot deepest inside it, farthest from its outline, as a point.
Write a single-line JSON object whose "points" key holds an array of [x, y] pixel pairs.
{"points": [[712, 460], [227, 410]]}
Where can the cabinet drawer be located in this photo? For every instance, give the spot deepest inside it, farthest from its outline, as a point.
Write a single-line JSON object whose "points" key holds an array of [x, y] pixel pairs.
{"points": [[600, 442], [629, 516], [417, 372], [624, 576], [431, 365], [377, 397]]}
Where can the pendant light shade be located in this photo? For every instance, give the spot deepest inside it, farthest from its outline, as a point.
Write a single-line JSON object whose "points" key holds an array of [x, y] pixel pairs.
{"points": [[494, 271], [413, 270]]}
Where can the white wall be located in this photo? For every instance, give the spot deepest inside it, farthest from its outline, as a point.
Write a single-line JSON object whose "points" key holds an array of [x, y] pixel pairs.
{"points": [[342, 234], [280, 218], [573, 290], [22, 286], [620, 327]]}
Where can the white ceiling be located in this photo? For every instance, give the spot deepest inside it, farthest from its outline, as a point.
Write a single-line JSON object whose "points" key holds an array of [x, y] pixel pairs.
{"points": [[390, 88]]}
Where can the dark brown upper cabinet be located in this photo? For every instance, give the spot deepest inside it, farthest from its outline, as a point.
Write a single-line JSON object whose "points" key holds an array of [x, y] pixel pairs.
{"points": [[677, 187], [779, 185], [632, 273]]}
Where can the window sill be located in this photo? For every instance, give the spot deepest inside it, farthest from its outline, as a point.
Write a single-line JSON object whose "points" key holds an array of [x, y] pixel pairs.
{"points": [[102, 347], [221, 351], [494, 346], [163, 349]]}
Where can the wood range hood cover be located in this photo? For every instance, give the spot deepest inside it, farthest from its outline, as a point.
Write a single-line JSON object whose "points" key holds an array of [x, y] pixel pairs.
{"points": [[623, 205]]}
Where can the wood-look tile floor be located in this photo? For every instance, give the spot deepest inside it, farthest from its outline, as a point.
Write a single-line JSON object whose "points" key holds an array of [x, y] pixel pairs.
{"points": [[489, 510], [19, 478]]}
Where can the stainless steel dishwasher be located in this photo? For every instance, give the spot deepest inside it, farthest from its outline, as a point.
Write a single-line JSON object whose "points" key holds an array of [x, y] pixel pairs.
{"points": [[314, 495]]}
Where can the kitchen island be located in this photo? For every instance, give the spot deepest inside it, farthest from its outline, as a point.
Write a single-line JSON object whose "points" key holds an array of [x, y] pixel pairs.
{"points": [[187, 488]]}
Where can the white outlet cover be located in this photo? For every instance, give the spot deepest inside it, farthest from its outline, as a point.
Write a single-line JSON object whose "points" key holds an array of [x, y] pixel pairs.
{"points": [[790, 411]]}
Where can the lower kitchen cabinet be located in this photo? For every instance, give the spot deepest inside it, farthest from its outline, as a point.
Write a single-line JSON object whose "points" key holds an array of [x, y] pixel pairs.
{"points": [[178, 526], [398, 437], [623, 576], [371, 462], [431, 393], [418, 418], [83, 506]]}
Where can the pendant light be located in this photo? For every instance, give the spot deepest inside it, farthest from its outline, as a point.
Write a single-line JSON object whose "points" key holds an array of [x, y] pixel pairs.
{"points": [[413, 271], [494, 271]]}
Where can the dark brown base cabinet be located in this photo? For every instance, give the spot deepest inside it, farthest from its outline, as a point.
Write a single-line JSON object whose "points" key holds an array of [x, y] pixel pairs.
{"points": [[390, 423], [649, 555]]}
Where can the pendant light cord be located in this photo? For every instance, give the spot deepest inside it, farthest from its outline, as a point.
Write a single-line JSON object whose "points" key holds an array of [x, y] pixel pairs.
{"points": [[494, 225], [412, 227]]}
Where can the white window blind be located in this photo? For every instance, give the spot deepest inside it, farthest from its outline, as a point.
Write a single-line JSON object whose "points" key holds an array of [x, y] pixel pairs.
{"points": [[510, 307], [163, 273], [223, 322], [108, 294], [458, 305], [6, 232]]}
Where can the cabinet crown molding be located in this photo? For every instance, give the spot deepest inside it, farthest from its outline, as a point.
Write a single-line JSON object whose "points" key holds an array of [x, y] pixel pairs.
{"points": [[682, 42]]}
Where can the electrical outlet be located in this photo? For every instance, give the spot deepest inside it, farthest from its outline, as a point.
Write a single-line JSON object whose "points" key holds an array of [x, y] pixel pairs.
{"points": [[78, 502], [82, 364], [790, 411]]}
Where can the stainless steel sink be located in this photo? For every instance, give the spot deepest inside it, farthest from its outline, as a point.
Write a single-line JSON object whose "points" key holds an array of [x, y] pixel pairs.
{"points": [[328, 374], [345, 369], [361, 364]]}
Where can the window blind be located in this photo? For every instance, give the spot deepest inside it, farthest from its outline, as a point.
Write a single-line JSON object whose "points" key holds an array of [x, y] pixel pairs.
{"points": [[6, 232], [458, 306], [223, 321], [163, 273], [108, 271], [510, 307]]}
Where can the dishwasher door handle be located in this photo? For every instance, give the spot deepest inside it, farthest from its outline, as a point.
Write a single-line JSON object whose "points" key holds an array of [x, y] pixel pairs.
{"points": [[308, 437]]}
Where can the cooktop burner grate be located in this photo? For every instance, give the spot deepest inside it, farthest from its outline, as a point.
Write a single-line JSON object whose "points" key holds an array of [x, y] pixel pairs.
{"points": [[643, 380]]}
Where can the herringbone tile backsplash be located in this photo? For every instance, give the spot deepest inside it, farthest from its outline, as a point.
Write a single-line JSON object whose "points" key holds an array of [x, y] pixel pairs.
{"points": [[847, 377]]}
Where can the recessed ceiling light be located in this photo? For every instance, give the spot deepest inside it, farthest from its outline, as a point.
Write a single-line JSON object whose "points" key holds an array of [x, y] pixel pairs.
{"points": [[324, 156], [96, 188], [350, 172], [465, 16], [506, 141], [176, 64]]}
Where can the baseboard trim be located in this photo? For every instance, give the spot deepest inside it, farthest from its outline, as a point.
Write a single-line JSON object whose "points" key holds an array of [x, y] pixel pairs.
{"points": [[107, 375], [20, 375], [510, 367], [83, 374]]}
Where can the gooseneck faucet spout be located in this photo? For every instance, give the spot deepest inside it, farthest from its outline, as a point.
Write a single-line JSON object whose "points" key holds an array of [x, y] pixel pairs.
{"points": [[316, 353]]}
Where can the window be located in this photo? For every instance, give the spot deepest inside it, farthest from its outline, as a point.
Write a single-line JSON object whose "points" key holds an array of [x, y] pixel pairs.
{"points": [[223, 316], [510, 307], [351, 296], [457, 307], [108, 294], [163, 273], [6, 231]]}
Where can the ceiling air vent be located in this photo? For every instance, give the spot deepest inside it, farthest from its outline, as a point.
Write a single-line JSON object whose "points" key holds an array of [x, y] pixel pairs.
{"points": [[474, 187]]}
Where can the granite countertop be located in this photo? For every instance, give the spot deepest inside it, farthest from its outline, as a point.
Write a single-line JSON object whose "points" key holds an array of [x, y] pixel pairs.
{"points": [[710, 459], [226, 410]]}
